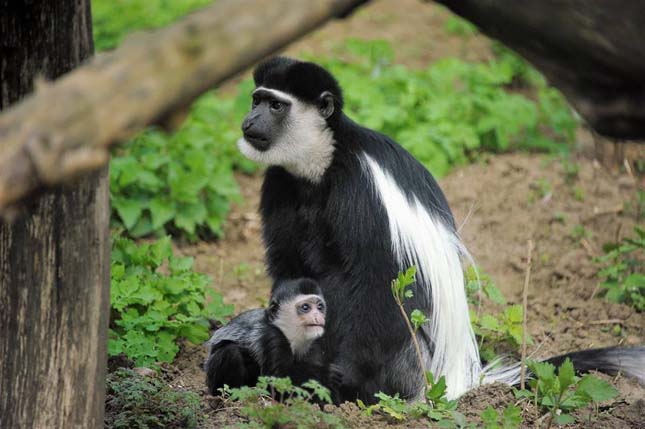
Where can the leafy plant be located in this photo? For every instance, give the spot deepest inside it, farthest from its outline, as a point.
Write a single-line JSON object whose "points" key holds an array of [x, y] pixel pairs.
{"points": [[182, 182], [436, 407], [152, 310], [622, 270], [276, 402], [448, 113], [136, 401], [510, 418], [113, 19], [494, 331], [560, 394]]}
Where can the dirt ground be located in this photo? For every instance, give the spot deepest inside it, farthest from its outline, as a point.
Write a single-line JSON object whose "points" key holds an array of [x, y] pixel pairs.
{"points": [[502, 202]]}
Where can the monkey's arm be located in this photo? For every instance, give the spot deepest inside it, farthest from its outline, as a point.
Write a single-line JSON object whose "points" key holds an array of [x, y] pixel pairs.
{"points": [[280, 225]]}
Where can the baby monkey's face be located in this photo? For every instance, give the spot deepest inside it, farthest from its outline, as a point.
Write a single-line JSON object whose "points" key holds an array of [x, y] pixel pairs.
{"points": [[310, 312]]}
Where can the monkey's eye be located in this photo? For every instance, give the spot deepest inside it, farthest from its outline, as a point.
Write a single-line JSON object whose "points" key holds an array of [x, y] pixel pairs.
{"points": [[277, 106], [255, 102], [305, 307], [321, 307]]}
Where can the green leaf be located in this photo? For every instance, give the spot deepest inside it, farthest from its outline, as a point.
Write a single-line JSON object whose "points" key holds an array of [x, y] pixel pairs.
{"points": [[511, 417], [564, 419], [566, 375], [597, 389], [161, 211], [438, 389], [494, 294], [417, 318], [129, 210], [489, 418], [178, 265]]}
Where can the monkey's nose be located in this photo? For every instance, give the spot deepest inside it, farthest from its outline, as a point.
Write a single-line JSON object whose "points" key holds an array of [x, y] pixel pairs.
{"points": [[246, 125]]}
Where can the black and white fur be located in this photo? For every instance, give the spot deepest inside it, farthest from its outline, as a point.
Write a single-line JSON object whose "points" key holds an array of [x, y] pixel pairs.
{"points": [[350, 208], [277, 341]]}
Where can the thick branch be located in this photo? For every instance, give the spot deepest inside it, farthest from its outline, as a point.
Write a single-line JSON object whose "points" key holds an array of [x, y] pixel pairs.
{"points": [[592, 50], [64, 129]]}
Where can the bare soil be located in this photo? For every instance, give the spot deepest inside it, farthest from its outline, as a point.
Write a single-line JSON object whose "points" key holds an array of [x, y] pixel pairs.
{"points": [[502, 202]]}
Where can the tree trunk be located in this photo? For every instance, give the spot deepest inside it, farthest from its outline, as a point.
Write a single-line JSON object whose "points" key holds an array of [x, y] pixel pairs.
{"points": [[54, 259]]}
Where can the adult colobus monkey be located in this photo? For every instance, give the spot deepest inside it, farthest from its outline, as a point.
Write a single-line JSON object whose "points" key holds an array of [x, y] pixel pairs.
{"points": [[349, 207], [277, 341]]}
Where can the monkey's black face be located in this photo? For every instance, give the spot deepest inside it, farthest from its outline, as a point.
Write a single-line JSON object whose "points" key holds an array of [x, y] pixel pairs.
{"points": [[266, 121], [285, 131]]}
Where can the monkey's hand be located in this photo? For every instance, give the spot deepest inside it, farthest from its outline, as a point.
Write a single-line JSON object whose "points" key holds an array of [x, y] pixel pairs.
{"points": [[335, 376]]}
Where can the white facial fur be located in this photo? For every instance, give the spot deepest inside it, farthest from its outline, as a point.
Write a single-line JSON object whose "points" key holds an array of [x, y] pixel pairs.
{"points": [[306, 146], [294, 326]]}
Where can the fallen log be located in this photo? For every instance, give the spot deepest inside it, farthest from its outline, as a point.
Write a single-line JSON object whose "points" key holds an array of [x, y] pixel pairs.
{"points": [[65, 128]]}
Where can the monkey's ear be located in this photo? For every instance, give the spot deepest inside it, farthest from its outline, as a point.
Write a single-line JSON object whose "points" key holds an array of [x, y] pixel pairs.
{"points": [[272, 310], [326, 104]]}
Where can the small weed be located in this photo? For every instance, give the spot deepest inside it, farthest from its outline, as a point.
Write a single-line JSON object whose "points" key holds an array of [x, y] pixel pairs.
{"points": [[571, 170], [578, 193], [510, 418], [560, 394], [622, 273], [559, 217], [276, 402], [436, 407], [578, 232], [542, 189], [136, 401], [494, 331], [242, 272]]}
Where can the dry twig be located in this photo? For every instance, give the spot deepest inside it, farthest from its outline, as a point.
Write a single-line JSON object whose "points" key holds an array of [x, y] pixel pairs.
{"points": [[525, 295]]}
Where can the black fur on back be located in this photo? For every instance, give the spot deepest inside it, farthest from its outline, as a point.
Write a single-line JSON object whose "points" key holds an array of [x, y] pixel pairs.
{"points": [[304, 80]]}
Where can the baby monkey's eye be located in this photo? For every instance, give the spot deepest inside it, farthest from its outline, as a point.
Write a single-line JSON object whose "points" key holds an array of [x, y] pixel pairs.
{"points": [[305, 307], [321, 307]]}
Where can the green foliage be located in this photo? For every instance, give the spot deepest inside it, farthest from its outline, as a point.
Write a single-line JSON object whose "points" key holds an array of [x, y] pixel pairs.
{"points": [[137, 402], [578, 232], [622, 274], [560, 394], [276, 402], [448, 113], [503, 329], [113, 19], [436, 407], [400, 284], [460, 27], [497, 330], [151, 310], [183, 181], [510, 418]]}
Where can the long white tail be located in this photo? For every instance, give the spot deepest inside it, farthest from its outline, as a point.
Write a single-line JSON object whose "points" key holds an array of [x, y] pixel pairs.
{"points": [[421, 239]]}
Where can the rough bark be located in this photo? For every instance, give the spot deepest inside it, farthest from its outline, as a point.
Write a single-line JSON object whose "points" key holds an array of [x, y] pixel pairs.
{"points": [[592, 50], [54, 261], [65, 128]]}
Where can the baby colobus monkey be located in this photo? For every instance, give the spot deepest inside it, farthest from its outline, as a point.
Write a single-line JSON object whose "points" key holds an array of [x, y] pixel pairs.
{"points": [[277, 341]]}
